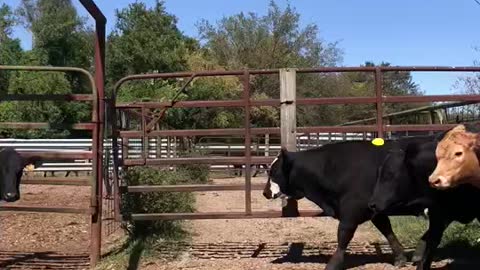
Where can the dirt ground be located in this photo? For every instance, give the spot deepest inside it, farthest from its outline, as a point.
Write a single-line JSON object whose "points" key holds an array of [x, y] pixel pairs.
{"points": [[61, 241], [299, 243]]}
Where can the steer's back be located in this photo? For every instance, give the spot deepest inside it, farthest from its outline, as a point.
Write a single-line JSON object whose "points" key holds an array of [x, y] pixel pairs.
{"points": [[340, 168]]}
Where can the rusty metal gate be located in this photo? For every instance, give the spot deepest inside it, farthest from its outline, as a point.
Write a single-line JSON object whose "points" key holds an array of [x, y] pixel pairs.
{"points": [[151, 113], [94, 127]]}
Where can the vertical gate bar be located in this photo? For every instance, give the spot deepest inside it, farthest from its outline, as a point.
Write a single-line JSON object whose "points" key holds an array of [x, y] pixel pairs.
{"points": [[115, 153], [96, 224], [144, 138], [248, 150], [379, 101]]}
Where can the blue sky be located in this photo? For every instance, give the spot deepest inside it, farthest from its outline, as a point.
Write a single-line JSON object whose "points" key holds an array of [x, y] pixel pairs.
{"points": [[407, 32]]}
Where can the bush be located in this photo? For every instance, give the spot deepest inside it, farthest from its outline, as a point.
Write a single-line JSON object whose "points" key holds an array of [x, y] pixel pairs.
{"points": [[195, 173], [160, 202]]}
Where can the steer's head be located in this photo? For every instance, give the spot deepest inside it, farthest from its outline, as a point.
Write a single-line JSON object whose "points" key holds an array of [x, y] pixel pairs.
{"points": [[391, 186], [11, 173], [277, 184], [457, 155], [401, 179]]}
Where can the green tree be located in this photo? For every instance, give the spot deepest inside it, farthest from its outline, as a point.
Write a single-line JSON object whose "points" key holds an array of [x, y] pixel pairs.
{"points": [[10, 49], [275, 40], [146, 40], [58, 114], [395, 83], [57, 29]]}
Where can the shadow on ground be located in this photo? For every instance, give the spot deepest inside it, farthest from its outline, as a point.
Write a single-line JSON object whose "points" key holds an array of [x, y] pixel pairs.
{"points": [[464, 256], [47, 260], [461, 255]]}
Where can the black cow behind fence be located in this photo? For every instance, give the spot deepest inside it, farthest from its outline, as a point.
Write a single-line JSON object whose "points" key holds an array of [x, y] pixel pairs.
{"points": [[12, 165]]}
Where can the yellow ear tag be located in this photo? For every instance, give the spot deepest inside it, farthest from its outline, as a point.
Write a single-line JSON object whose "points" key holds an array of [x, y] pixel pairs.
{"points": [[378, 142], [29, 167]]}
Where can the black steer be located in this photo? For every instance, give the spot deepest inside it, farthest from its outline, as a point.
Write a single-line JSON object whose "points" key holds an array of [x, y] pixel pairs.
{"points": [[340, 179], [403, 184], [11, 170]]}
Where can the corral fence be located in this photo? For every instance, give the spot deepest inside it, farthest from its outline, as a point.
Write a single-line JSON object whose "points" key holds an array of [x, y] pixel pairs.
{"points": [[151, 144], [151, 113], [94, 127]]}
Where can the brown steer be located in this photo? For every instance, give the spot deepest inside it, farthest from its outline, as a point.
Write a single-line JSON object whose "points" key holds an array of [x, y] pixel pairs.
{"points": [[457, 159]]}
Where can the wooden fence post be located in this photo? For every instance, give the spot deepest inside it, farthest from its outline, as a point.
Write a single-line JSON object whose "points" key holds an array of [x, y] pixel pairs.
{"points": [[288, 124]]}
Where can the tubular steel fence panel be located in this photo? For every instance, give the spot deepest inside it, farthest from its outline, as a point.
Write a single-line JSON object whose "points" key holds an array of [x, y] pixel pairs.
{"points": [[377, 129], [94, 210]]}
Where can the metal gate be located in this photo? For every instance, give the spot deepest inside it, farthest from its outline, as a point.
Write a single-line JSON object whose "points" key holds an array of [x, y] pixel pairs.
{"points": [[94, 127], [151, 113]]}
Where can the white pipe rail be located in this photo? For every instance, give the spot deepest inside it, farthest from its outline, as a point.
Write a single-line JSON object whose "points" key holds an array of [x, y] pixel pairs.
{"points": [[135, 148]]}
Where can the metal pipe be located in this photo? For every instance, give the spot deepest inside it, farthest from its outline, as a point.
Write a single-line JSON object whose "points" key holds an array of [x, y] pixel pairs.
{"points": [[248, 144]]}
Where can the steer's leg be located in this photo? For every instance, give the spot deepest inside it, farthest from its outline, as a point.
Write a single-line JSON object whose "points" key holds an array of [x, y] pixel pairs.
{"points": [[256, 167], [383, 224], [344, 235], [432, 239], [420, 249]]}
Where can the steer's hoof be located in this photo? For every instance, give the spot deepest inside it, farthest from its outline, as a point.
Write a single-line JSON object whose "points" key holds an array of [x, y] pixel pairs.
{"points": [[400, 261], [419, 251], [416, 258]]}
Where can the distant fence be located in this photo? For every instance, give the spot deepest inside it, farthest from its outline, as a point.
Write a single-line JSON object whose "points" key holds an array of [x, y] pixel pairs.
{"points": [[221, 146]]}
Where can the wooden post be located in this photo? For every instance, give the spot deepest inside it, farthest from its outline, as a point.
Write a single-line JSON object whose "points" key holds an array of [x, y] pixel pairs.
{"points": [[288, 118], [288, 124]]}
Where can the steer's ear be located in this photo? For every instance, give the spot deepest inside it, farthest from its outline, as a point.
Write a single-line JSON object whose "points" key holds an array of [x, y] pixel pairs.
{"points": [[284, 154], [286, 158], [393, 163]]}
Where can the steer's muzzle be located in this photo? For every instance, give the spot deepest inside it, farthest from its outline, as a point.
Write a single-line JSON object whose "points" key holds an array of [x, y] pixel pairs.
{"points": [[439, 182], [373, 207], [10, 197]]}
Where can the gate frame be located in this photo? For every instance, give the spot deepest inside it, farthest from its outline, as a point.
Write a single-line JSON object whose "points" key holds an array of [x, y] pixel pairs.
{"points": [[378, 100], [96, 129]]}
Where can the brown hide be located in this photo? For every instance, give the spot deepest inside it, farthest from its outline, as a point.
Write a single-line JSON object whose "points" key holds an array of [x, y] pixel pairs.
{"points": [[457, 159]]}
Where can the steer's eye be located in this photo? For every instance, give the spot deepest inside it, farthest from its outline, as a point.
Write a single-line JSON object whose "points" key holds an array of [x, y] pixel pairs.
{"points": [[458, 154]]}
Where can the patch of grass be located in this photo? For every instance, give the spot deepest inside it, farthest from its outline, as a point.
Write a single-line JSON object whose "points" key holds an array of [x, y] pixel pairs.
{"points": [[146, 238], [409, 230]]}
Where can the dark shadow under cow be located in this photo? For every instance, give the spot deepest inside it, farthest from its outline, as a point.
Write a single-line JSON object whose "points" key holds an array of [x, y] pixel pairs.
{"points": [[11, 171]]}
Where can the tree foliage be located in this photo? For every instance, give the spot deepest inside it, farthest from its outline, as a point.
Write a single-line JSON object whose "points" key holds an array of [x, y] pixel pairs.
{"points": [[60, 37], [271, 41], [146, 40], [58, 114], [10, 50], [57, 29]]}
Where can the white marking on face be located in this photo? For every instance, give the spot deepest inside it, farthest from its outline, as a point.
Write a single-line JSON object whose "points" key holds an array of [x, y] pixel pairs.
{"points": [[425, 211], [274, 189]]}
